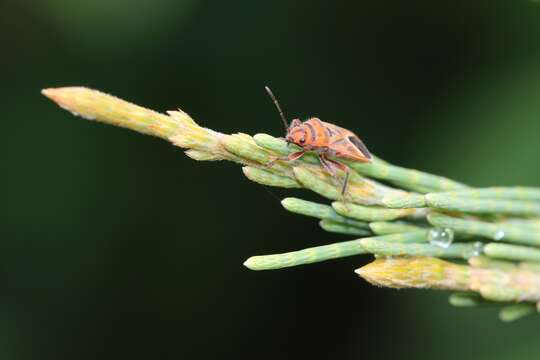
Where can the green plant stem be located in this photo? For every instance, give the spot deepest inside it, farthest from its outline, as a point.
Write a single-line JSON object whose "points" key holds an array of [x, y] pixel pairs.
{"points": [[320, 211], [456, 251], [499, 231], [482, 206], [341, 228], [505, 273], [325, 252], [512, 252]]}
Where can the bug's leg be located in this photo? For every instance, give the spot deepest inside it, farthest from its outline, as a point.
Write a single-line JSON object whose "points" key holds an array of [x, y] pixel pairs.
{"points": [[327, 165], [347, 172], [330, 166], [345, 182], [294, 156], [297, 155]]}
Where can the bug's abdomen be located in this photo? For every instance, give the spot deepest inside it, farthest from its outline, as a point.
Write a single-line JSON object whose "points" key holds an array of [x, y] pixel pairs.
{"points": [[347, 147], [336, 141]]}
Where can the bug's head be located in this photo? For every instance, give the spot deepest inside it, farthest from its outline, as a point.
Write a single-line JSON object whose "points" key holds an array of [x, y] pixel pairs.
{"points": [[296, 133]]}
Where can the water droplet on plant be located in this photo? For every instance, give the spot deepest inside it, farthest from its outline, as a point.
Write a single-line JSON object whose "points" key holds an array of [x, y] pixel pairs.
{"points": [[477, 249], [442, 237], [499, 235]]}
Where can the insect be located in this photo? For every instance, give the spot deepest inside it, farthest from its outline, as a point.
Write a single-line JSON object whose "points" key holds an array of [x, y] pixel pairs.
{"points": [[325, 140]]}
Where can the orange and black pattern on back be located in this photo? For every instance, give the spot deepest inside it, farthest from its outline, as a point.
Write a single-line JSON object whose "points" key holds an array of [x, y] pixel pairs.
{"points": [[321, 137]]}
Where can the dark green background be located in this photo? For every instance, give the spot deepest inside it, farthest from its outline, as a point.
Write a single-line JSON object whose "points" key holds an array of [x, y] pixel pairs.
{"points": [[117, 246]]}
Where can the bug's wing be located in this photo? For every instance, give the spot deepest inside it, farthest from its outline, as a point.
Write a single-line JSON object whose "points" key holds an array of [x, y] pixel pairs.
{"points": [[359, 145]]}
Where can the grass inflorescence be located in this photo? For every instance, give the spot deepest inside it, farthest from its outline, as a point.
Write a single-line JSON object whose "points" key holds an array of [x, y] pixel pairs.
{"points": [[489, 238]]}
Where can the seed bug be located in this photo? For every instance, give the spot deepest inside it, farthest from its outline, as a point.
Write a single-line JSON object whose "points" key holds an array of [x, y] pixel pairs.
{"points": [[326, 140]]}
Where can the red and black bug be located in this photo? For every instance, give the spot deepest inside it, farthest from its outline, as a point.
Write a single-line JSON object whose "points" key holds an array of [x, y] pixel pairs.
{"points": [[326, 140]]}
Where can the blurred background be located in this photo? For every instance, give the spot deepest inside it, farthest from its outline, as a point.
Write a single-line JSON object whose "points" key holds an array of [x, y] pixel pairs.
{"points": [[116, 245]]}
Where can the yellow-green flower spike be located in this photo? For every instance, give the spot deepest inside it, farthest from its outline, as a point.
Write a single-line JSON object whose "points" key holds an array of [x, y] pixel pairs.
{"points": [[366, 213], [416, 272], [482, 206], [427, 272], [512, 252], [189, 135], [517, 311], [268, 178], [456, 251], [96, 105], [385, 228], [341, 228], [499, 231]]}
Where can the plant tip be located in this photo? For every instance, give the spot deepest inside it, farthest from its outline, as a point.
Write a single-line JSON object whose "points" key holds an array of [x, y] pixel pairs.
{"points": [[48, 92], [286, 201], [249, 263]]}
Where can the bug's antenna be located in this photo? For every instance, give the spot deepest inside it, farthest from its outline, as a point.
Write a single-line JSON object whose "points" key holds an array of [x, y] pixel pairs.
{"points": [[278, 107]]}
